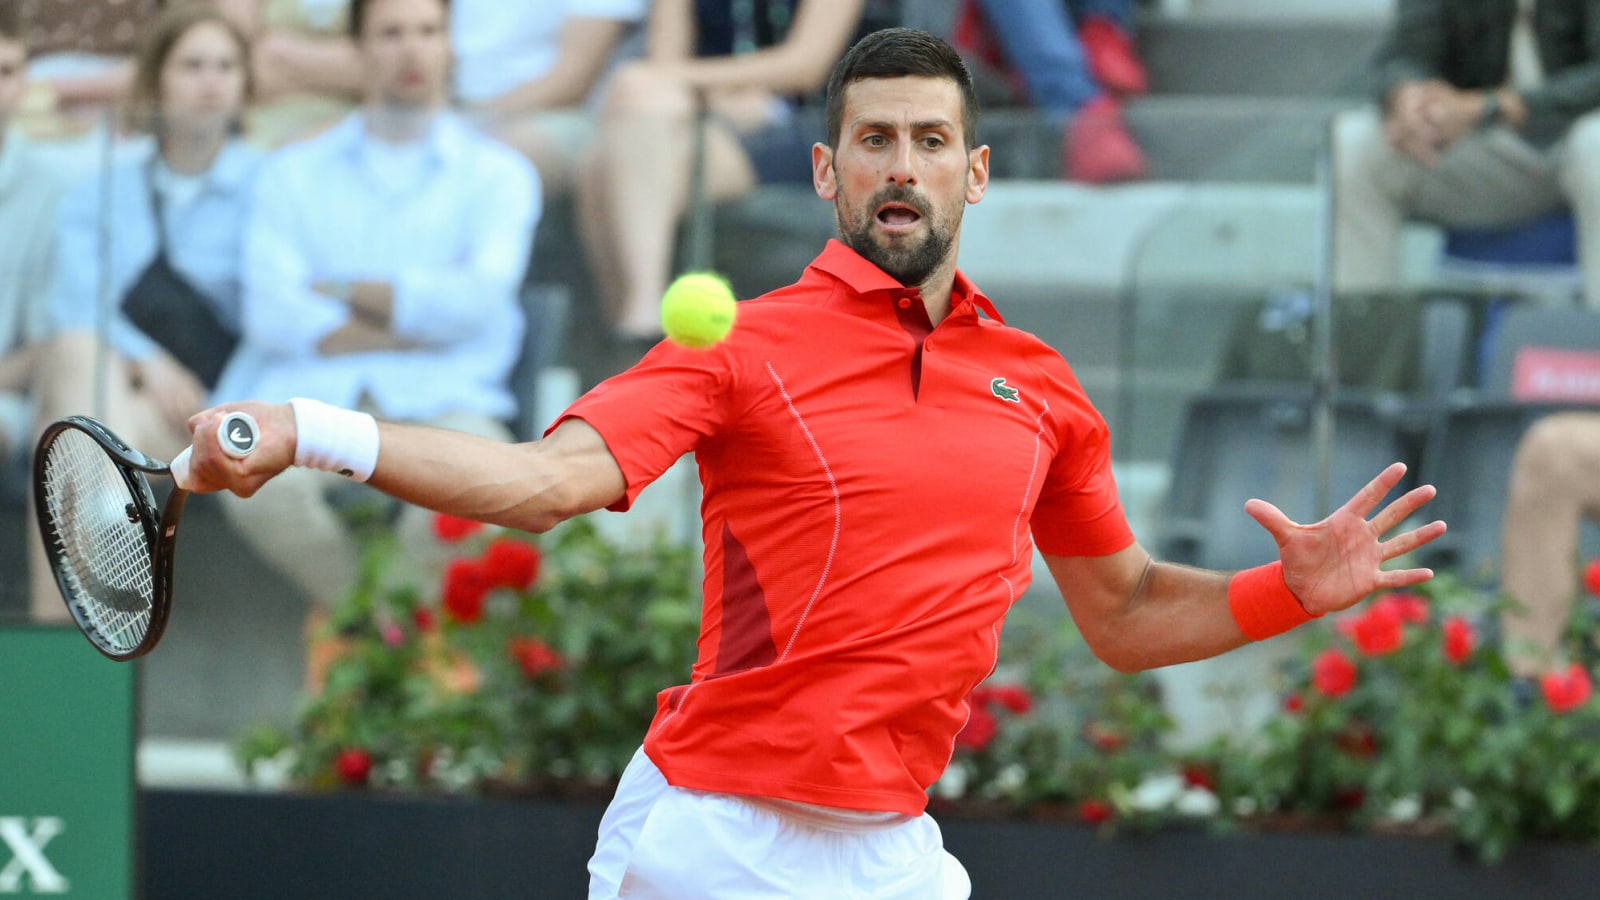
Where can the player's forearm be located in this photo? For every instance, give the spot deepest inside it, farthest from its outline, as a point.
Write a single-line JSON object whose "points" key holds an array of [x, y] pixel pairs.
{"points": [[531, 486], [1175, 614]]}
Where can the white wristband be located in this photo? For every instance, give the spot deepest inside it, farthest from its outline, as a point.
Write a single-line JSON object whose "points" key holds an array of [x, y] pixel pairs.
{"points": [[334, 440]]}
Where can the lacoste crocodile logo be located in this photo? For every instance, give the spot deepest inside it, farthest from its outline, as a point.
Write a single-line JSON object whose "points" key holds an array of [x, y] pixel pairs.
{"points": [[1004, 391]]}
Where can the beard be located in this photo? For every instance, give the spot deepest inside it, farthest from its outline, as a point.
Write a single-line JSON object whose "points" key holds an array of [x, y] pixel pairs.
{"points": [[909, 260]]}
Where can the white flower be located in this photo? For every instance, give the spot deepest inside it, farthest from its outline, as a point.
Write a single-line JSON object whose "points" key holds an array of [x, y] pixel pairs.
{"points": [[1406, 809], [1244, 806], [1462, 799], [1011, 778], [952, 785], [1198, 802], [1157, 792]]}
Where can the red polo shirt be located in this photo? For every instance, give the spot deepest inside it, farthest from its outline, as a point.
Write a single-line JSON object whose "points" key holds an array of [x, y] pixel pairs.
{"points": [[870, 485]]}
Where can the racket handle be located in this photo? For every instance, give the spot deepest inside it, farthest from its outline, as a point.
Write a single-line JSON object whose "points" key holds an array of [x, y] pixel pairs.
{"points": [[237, 434], [179, 468]]}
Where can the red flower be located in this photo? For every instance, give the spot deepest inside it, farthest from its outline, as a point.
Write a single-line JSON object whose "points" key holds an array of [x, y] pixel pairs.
{"points": [[1197, 775], [1358, 741], [1013, 697], [451, 529], [511, 563], [424, 619], [1459, 639], [1104, 737], [1566, 691], [980, 729], [1412, 608], [1293, 703], [1349, 798], [1333, 673], [534, 656], [1094, 811], [354, 765], [1379, 630], [1591, 577], [466, 585]]}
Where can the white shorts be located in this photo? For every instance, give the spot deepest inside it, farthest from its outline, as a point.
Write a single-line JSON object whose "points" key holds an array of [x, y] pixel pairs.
{"points": [[658, 842]]}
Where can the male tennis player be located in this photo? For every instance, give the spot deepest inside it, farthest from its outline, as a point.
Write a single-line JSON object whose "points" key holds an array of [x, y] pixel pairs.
{"points": [[879, 461]]}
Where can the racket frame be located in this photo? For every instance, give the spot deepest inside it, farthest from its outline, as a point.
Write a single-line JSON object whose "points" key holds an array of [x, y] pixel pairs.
{"points": [[160, 525]]}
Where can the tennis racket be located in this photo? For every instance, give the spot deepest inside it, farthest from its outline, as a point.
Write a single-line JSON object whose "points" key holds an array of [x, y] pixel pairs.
{"points": [[109, 543]]}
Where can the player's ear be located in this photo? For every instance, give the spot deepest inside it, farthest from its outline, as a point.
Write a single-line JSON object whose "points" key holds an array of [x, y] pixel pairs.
{"points": [[977, 173], [822, 176]]}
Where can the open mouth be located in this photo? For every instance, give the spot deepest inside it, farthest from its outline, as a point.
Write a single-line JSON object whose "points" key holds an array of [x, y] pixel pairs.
{"points": [[898, 215]]}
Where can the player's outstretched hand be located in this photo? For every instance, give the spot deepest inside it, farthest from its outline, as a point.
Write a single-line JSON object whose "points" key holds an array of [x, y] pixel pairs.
{"points": [[1332, 564], [213, 470]]}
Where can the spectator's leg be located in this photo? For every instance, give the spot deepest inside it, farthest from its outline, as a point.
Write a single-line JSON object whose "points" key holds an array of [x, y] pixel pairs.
{"points": [[639, 187], [1042, 46], [291, 526], [1488, 180], [66, 386], [1105, 28], [1579, 161], [1554, 483]]}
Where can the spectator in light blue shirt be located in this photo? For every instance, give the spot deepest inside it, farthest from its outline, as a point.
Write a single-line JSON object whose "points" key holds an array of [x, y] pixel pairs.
{"points": [[382, 266], [190, 86]]}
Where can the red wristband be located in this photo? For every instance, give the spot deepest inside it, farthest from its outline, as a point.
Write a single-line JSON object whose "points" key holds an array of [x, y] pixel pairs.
{"points": [[1262, 604]]}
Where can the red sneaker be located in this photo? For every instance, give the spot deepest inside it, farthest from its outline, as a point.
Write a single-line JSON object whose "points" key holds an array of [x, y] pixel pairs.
{"points": [[1112, 59], [1098, 148]]}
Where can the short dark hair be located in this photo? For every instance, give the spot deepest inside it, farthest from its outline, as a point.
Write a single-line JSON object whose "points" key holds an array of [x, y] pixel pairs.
{"points": [[358, 15], [11, 21], [899, 53]]}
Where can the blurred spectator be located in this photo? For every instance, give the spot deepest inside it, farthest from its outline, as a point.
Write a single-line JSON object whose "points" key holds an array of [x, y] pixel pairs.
{"points": [[1554, 486], [307, 74], [160, 231], [528, 72], [82, 54], [382, 263], [29, 191], [1484, 120], [1075, 61], [747, 65]]}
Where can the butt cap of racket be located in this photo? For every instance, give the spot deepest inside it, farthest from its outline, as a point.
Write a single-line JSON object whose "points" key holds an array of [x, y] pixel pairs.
{"points": [[237, 434]]}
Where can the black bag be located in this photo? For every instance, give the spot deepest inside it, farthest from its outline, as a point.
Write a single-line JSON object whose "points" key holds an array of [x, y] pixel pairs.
{"points": [[175, 314]]}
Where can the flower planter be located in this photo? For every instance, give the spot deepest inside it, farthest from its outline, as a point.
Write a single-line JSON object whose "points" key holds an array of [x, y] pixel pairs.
{"points": [[356, 845]]}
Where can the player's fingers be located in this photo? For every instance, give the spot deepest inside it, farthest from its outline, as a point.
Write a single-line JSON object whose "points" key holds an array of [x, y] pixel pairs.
{"points": [[1401, 544], [1399, 578], [1271, 518], [1402, 508], [1367, 499]]}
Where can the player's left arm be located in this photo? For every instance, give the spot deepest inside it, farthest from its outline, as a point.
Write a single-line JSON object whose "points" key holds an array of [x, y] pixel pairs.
{"points": [[1137, 613]]}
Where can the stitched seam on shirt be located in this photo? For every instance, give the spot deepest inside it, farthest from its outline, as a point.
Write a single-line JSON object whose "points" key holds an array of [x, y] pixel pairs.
{"points": [[1016, 524], [838, 514]]}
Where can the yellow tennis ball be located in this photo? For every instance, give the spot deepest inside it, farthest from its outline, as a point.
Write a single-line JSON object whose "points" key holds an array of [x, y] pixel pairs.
{"points": [[698, 309]]}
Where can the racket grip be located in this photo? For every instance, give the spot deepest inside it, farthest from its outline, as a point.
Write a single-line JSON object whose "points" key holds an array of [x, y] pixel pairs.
{"points": [[237, 434], [179, 468]]}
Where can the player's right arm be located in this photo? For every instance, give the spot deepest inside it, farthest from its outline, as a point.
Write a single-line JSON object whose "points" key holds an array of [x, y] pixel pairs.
{"points": [[530, 486]]}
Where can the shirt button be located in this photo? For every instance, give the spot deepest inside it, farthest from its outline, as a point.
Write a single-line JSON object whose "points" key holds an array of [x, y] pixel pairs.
{"points": [[905, 302]]}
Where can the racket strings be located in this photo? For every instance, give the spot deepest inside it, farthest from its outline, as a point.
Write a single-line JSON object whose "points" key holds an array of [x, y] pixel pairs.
{"points": [[105, 555]]}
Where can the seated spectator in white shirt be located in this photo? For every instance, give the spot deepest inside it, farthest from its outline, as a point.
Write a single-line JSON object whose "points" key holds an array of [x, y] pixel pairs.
{"points": [[529, 71], [382, 264]]}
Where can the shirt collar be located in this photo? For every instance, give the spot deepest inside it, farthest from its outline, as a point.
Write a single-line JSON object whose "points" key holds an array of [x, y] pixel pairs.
{"points": [[230, 172], [444, 138], [866, 279]]}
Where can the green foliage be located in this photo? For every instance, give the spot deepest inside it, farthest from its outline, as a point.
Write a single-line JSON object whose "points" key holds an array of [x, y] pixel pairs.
{"points": [[1401, 713], [554, 683]]}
